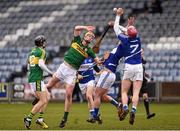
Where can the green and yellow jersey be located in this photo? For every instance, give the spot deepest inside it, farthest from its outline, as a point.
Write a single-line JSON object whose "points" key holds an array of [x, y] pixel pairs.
{"points": [[35, 72], [78, 53]]}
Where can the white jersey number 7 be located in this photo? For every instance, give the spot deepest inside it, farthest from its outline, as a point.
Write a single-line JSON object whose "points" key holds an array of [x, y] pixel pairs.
{"points": [[134, 48]]}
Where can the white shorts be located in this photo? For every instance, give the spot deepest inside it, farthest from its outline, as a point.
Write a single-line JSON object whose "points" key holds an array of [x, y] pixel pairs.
{"points": [[83, 87], [66, 74], [133, 72], [106, 79], [37, 86]]}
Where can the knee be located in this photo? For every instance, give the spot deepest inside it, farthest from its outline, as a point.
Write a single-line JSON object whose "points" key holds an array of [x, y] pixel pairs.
{"points": [[97, 94], [48, 86], [88, 96], [44, 101], [105, 97], [68, 95]]}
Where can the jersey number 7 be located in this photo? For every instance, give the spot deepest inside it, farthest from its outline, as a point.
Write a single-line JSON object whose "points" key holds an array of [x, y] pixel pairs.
{"points": [[134, 48]]}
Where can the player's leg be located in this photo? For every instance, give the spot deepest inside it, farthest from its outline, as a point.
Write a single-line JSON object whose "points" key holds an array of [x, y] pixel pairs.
{"points": [[52, 82], [135, 98], [36, 108], [68, 103], [90, 100], [106, 80], [146, 105], [39, 90], [99, 92], [111, 100], [69, 76], [126, 84], [40, 121]]}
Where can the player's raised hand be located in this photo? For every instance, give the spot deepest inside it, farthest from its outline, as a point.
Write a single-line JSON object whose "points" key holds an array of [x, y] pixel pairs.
{"points": [[111, 23], [119, 11], [90, 28], [131, 21]]}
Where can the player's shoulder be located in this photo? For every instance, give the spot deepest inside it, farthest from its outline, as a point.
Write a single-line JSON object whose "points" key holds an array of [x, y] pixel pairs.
{"points": [[41, 50], [123, 36]]}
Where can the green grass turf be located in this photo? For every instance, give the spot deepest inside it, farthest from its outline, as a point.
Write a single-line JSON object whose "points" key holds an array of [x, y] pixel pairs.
{"points": [[167, 117]]}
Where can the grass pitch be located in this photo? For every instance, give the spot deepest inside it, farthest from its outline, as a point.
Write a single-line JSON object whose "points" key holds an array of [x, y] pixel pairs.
{"points": [[167, 117]]}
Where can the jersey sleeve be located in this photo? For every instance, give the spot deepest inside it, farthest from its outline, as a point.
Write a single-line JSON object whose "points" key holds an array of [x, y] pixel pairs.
{"points": [[91, 53]]}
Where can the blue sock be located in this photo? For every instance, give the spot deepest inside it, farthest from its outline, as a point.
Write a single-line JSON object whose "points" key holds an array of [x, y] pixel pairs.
{"points": [[125, 107], [114, 102], [96, 111], [133, 109]]}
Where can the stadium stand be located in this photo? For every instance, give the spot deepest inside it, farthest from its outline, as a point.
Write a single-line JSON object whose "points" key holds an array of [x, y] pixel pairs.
{"points": [[22, 20]]}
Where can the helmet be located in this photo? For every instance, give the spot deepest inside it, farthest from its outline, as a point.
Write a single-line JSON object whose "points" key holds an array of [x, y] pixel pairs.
{"points": [[90, 33], [40, 40], [131, 31]]}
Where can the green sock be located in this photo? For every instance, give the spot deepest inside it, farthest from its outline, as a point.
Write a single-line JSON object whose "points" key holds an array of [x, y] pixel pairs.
{"points": [[41, 114], [30, 116], [65, 115]]}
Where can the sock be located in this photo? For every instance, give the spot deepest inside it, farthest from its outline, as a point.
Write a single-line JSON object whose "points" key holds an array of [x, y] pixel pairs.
{"points": [[96, 111], [114, 102], [129, 100], [125, 107], [40, 118], [146, 105], [65, 116], [41, 114], [91, 112], [133, 109], [30, 116]]}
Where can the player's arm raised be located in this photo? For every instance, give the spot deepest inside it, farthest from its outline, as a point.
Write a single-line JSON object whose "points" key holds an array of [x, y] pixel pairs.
{"points": [[79, 28], [118, 28], [131, 22]]}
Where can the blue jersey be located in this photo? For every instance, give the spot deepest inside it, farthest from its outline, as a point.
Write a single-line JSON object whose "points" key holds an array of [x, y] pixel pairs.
{"points": [[130, 49], [113, 60], [85, 69]]}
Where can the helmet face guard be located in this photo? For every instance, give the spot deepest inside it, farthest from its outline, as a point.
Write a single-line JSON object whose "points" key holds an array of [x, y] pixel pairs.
{"points": [[40, 41]]}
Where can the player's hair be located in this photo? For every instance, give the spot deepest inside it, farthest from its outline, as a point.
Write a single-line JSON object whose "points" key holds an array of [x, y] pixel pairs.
{"points": [[89, 33], [39, 40]]}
